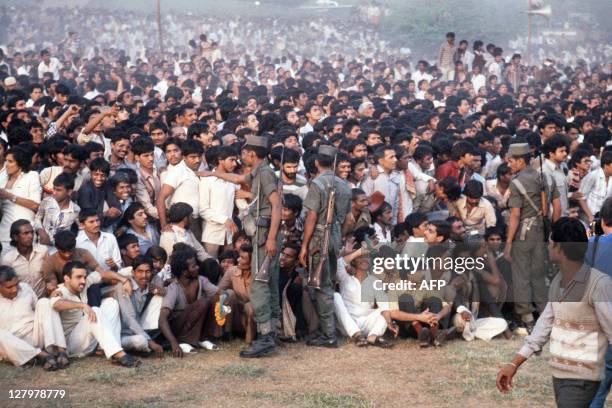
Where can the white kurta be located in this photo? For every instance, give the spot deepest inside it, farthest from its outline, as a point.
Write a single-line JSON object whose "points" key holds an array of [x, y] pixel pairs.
{"points": [[216, 207], [354, 308], [27, 325]]}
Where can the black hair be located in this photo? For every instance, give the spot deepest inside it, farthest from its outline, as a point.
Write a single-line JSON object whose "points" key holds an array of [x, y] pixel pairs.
{"points": [[22, 157], [192, 147], [362, 233], [179, 259], [451, 188], [15, 229], [473, 189], [571, 235], [70, 266], [127, 239], [414, 220], [65, 240], [157, 252], [129, 212], [141, 259], [142, 145], [178, 212], [553, 143], [460, 149], [229, 254], [86, 213], [64, 180], [99, 164], [173, 141], [6, 274], [293, 203], [443, 228], [606, 212]]}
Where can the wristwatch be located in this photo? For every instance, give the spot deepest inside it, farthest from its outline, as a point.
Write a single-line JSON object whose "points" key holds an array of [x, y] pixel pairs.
{"points": [[14, 199]]}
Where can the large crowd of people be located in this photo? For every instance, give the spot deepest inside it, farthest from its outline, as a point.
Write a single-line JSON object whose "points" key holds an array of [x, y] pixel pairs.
{"points": [[245, 182]]}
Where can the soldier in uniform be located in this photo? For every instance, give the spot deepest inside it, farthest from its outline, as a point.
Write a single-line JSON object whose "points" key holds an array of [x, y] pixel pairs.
{"points": [[526, 246], [316, 204], [266, 212]]}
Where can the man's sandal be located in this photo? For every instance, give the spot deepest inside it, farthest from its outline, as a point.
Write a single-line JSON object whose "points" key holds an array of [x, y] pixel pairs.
{"points": [[62, 360], [382, 343], [49, 363], [360, 340]]}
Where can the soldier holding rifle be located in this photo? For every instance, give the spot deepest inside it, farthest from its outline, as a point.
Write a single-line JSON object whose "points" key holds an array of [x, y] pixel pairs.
{"points": [[328, 202], [262, 225], [530, 195]]}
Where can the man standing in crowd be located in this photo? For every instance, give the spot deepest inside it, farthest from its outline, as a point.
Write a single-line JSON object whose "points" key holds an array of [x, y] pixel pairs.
{"points": [[318, 203]]}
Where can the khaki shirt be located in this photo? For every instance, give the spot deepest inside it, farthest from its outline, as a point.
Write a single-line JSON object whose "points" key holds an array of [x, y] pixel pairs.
{"points": [[317, 197], [262, 179], [530, 179]]}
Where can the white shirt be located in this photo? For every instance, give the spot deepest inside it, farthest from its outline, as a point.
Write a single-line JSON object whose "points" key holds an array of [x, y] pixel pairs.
{"points": [[478, 81], [186, 186], [72, 317], [383, 237], [26, 186], [18, 313], [106, 248], [357, 304], [216, 207], [417, 77], [53, 67], [595, 190], [178, 234]]}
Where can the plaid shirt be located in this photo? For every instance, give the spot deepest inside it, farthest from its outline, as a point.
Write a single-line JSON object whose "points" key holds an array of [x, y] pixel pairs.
{"points": [[292, 234], [53, 219]]}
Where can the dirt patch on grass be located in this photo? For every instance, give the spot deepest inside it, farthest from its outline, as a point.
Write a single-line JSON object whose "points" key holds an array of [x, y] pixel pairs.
{"points": [[459, 374]]}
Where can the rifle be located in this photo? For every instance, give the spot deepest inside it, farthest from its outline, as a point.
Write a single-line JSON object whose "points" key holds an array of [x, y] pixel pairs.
{"points": [[263, 271], [544, 201], [314, 275]]}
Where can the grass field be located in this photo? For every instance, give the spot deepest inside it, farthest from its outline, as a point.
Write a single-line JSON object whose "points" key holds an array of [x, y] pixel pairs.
{"points": [[459, 374]]}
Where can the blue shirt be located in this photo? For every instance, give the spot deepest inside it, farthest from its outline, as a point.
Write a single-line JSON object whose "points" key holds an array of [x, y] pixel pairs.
{"points": [[603, 254]]}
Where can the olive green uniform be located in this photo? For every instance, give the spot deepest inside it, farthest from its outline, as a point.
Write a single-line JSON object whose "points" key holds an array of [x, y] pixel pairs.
{"points": [[316, 200], [263, 296], [529, 252]]}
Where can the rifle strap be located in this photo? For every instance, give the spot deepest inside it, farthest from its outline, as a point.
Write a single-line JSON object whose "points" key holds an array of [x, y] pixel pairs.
{"points": [[523, 192]]}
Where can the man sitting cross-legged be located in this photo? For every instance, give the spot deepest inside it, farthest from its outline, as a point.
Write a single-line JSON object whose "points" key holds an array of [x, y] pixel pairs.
{"points": [[85, 327], [138, 310], [28, 324]]}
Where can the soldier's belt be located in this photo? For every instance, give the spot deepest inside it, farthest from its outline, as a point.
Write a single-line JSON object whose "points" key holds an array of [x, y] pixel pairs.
{"points": [[526, 225]]}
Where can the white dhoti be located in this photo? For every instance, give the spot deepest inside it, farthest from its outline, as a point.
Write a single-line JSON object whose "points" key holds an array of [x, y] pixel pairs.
{"points": [[20, 346], [372, 323], [106, 331]]}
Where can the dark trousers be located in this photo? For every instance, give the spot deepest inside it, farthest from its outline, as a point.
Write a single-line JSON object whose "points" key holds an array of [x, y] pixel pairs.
{"points": [[604, 388], [195, 322], [571, 393], [406, 304]]}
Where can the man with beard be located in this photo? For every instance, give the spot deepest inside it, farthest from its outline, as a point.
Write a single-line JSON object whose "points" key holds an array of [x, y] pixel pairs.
{"points": [[292, 182], [186, 311], [85, 327]]}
